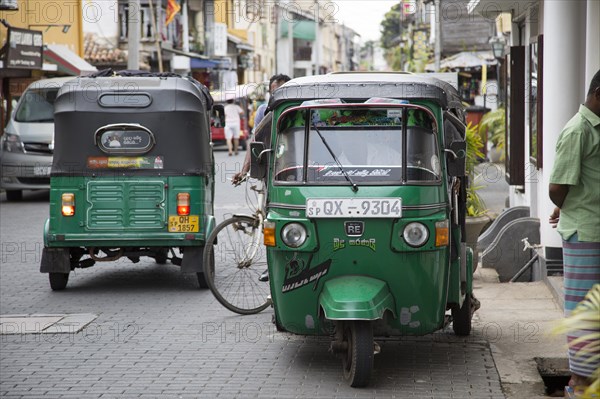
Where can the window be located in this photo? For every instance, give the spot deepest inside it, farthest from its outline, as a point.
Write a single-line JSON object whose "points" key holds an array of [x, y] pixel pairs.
{"points": [[124, 139], [37, 105], [536, 51], [172, 32], [515, 116], [362, 142]]}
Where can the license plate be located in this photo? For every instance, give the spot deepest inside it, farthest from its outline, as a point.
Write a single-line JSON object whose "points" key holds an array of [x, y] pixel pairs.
{"points": [[41, 170], [184, 224], [354, 207]]}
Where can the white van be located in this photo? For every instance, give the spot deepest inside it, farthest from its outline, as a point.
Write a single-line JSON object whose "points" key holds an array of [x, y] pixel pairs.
{"points": [[27, 145]]}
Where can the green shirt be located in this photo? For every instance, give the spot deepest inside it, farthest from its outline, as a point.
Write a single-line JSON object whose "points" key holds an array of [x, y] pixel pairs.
{"points": [[577, 164]]}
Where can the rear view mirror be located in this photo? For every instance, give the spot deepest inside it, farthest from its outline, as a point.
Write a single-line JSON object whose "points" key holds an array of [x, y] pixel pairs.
{"points": [[258, 160], [456, 157], [217, 116]]}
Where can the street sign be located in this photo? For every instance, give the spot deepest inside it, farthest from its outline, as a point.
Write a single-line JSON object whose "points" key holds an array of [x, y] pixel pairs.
{"points": [[9, 5], [24, 49]]}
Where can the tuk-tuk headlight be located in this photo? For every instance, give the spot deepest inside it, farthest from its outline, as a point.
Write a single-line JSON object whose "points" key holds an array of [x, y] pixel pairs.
{"points": [[293, 235], [415, 234]]}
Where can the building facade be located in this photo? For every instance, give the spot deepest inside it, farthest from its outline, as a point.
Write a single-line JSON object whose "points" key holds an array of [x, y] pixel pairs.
{"points": [[552, 51]]}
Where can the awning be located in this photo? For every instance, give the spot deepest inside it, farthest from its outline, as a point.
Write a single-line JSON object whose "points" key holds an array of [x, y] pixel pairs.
{"points": [[239, 43], [492, 8], [185, 53], [303, 30], [67, 61], [210, 64], [200, 64], [465, 59]]}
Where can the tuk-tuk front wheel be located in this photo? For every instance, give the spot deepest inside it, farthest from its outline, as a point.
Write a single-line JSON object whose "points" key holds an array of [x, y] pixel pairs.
{"points": [[58, 281], [357, 360]]}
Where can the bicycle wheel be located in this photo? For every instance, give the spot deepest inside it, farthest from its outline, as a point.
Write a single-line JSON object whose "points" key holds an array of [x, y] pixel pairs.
{"points": [[234, 258]]}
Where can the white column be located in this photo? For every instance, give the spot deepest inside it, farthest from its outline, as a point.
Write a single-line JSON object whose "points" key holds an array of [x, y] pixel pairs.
{"points": [[564, 71], [133, 35], [592, 40], [185, 26]]}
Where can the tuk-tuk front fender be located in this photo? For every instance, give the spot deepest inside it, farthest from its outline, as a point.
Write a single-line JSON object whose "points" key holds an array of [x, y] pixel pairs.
{"points": [[356, 298], [46, 229]]}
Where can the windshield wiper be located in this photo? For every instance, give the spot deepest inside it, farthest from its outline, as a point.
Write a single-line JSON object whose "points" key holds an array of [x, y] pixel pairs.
{"points": [[354, 186]]}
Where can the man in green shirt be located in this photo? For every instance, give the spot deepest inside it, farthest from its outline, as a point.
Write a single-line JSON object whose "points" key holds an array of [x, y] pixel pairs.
{"points": [[575, 190]]}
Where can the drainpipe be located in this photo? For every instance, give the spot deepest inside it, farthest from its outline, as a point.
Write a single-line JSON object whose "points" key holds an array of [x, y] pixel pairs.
{"points": [[438, 36]]}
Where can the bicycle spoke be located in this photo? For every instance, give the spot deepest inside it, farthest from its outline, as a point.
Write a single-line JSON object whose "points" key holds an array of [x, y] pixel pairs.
{"points": [[239, 261]]}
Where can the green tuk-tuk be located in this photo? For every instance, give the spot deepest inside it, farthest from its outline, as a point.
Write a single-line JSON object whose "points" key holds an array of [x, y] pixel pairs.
{"points": [[365, 211], [132, 174]]}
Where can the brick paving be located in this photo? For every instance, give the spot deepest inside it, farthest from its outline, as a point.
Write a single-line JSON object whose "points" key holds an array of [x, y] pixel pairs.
{"points": [[158, 336]]}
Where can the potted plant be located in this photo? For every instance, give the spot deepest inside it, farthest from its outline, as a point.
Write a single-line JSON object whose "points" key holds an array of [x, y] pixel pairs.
{"points": [[493, 124], [586, 317], [477, 217]]}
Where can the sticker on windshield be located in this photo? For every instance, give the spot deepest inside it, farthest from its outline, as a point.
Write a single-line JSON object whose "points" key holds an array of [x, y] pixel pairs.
{"points": [[394, 113], [280, 151], [435, 165]]}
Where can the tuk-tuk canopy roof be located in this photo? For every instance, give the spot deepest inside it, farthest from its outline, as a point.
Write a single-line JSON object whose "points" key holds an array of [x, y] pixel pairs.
{"points": [[175, 110], [364, 85]]}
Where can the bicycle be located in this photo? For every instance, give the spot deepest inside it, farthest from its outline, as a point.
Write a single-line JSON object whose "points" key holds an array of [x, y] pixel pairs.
{"points": [[232, 275]]}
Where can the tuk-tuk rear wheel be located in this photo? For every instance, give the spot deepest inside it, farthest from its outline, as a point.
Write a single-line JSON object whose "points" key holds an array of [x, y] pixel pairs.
{"points": [[461, 317], [202, 277], [58, 281], [357, 361], [14, 195]]}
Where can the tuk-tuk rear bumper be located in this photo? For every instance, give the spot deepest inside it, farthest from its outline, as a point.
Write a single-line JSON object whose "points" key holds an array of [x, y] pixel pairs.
{"points": [[356, 298], [127, 239]]}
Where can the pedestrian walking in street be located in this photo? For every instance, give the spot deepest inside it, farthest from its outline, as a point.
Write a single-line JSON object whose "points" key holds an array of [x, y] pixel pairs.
{"points": [[575, 190], [233, 113]]}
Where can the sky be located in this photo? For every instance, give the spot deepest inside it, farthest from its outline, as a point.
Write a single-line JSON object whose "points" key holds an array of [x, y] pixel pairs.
{"points": [[363, 16]]}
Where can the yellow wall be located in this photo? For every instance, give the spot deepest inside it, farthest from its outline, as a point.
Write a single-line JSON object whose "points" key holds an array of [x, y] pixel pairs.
{"points": [[225, 10], [41, 15]]}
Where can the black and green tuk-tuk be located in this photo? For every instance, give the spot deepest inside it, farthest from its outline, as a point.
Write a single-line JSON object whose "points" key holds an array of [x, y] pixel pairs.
{"points": [[132, 175], [365, 217]]}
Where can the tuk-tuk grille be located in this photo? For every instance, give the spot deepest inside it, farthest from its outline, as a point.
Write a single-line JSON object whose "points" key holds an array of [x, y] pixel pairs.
{"points": [[126, 205]]}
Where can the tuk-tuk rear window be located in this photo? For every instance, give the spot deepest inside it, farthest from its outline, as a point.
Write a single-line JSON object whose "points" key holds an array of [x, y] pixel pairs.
{"points": [[124, 139], [364, 143]]}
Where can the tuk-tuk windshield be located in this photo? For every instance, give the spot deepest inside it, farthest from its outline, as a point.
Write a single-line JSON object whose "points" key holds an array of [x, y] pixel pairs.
{"points": [[365, 141]]}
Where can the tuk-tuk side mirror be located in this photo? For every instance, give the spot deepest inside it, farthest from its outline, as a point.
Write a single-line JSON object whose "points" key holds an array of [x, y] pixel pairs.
{"points": [[258, 160], [456, 157], [217, 116]]}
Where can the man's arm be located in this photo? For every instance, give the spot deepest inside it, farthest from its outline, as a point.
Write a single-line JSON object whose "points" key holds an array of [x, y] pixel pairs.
{"points": [[558, 193]]}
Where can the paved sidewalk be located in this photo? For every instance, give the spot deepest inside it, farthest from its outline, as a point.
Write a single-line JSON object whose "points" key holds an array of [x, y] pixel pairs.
{"points": [[516, 320]]}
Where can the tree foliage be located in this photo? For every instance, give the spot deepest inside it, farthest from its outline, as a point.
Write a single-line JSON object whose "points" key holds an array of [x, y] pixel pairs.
{"points": [[391, 28]]}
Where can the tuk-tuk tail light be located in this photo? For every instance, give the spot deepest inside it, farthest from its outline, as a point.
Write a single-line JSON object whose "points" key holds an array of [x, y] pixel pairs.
{"points": [[68, 204], [269, 233], [183, 204], [442, 233]]}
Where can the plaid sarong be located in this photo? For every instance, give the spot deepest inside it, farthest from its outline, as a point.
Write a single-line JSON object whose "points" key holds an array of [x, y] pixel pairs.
{"points": [[581, 271]]}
